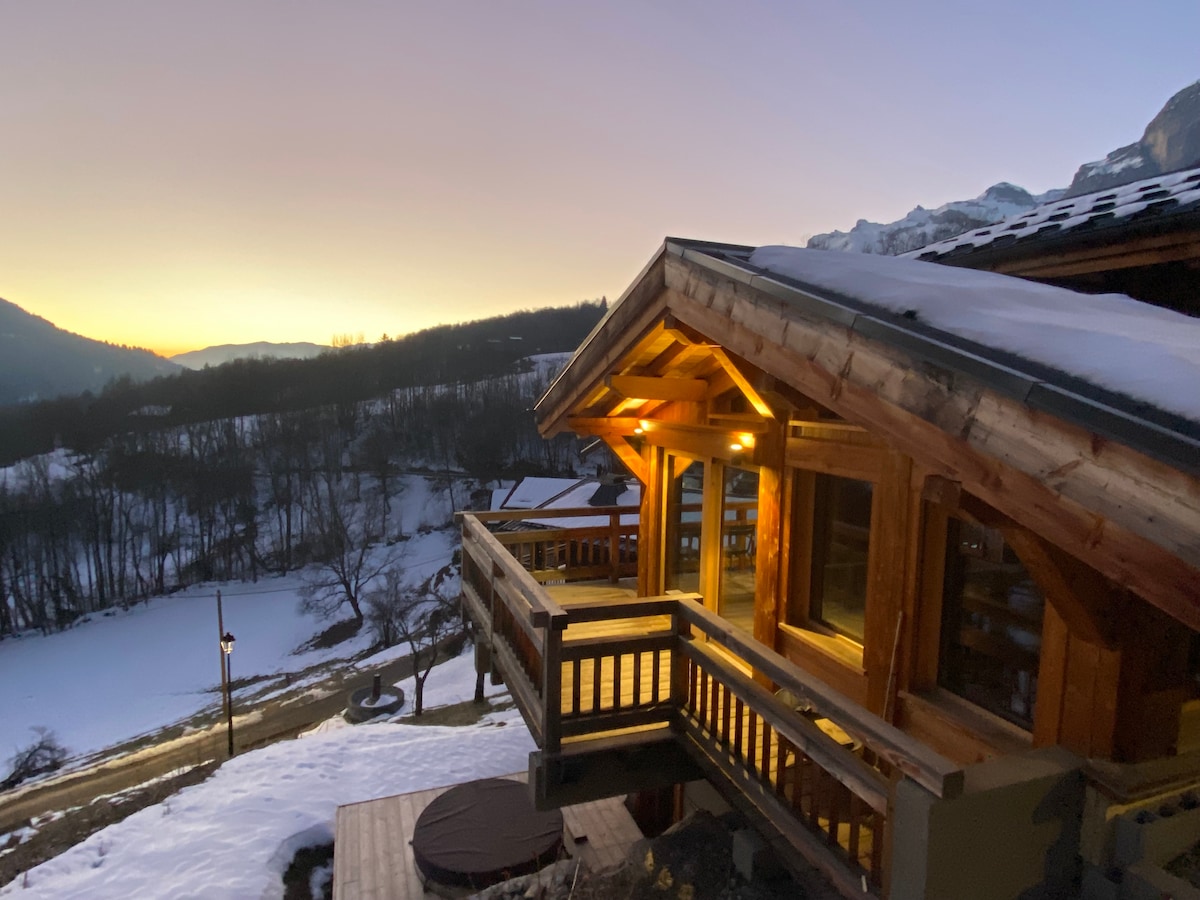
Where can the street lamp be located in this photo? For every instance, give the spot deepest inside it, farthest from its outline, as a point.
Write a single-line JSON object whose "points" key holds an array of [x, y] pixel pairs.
{"points": [[227, 640]]}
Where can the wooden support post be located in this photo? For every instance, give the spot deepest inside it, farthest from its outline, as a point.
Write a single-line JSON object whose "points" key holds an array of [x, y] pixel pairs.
{"points": [[679, 666], [496, 677], [650, 523], [887, 576], [769, 588], [552, 682], [614, 547], [712, 507]]}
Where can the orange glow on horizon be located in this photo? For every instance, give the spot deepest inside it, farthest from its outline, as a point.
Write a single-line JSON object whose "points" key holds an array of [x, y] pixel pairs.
{"points": [[179, 176]]}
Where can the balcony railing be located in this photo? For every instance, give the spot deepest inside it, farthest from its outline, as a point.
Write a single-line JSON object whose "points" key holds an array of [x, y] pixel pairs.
{"points": [[823, 777]]}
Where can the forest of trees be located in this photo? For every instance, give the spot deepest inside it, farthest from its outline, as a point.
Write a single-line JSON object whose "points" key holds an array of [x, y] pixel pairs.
{"points": [[144, 505], [447, 354]]}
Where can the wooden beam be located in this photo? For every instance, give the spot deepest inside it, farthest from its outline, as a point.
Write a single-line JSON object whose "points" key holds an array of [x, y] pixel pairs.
{"points": [[748, 423], [836, 458], [1090, 605], [1143, 252], [698, 440], [648, 387], [629, 457], [604, 425], [743, 384], [941, 491]]}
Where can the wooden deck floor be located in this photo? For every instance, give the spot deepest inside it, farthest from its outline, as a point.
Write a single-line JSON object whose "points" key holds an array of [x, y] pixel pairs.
{"points": [[372, 859], [740, 613]]}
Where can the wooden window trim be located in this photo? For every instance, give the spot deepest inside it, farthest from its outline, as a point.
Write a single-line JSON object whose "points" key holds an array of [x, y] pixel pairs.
{"points": [[838, 647], [832, 659], [797, 605]]}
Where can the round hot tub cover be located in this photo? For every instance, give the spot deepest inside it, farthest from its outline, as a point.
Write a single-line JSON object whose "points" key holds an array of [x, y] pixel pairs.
{"points": [[485, 832]]}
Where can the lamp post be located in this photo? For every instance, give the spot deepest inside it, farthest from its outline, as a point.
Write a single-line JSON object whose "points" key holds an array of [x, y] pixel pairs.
{"points": [[227, 640], [226, 644]]}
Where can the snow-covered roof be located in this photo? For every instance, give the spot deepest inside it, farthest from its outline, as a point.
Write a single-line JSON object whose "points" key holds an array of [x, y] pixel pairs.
{"points": [[534, 491], [581, 495], [1109, 340], [1150, 199]]}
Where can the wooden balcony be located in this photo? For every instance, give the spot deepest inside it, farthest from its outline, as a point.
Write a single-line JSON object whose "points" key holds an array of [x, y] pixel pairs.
{"points": [[624, 693]]}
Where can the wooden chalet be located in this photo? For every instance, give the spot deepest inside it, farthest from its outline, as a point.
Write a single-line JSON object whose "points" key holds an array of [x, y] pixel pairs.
{"points": [[923, 610]]}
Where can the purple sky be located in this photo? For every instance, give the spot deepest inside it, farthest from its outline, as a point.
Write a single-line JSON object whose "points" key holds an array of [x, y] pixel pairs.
{"points": [[175, 175]]}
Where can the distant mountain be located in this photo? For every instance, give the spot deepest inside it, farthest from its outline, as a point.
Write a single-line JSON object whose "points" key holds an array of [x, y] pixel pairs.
{"points": [[925, 226], [39, 361], [223, 353], [1171, 141]]}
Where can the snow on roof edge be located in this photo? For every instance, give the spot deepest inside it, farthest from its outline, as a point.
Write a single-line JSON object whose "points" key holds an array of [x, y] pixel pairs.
{"points": [[1124, 346]]}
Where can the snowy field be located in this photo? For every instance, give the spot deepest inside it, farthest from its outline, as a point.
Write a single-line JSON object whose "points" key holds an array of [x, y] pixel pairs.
{"points": [[119, 676], [234, 835]]}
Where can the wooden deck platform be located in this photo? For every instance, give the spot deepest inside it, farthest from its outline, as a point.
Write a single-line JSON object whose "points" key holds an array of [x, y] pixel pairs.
{"points": [[372, 859]]}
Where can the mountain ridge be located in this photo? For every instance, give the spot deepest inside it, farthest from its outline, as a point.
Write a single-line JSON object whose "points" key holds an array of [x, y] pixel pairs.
{"points": [[43, 361], [1171, 141], [222, 353]]}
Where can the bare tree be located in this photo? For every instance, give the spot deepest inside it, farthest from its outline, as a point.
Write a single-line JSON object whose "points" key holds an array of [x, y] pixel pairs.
{"points": [[349, 553], [42, 756], [424, 617]]}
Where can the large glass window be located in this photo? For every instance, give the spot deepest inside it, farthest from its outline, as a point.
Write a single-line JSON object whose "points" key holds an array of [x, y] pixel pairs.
{"points": [[685, 491], [991, 624], [841, 538], [739, 546]]}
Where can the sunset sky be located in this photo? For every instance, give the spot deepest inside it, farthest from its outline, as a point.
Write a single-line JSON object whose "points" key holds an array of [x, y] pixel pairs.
{"points": [[180, 174]]}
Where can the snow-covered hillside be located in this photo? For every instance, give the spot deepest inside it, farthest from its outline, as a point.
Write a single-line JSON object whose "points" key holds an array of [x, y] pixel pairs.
{"points": [[925, 226], [234, 835], [121, 674]]}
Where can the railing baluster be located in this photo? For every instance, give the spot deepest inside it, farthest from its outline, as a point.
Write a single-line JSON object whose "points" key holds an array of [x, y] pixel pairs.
{"points": [[576, 666], [752, 743], [877, 824], [714, 702], [725, 735], [655, 674], [765, 769], [781, 753], [800, 777], [597, 682], [835, 801], [855, 825], [702, 710], [618, 688], [637, 679], [738, 723], [816, 796]]}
